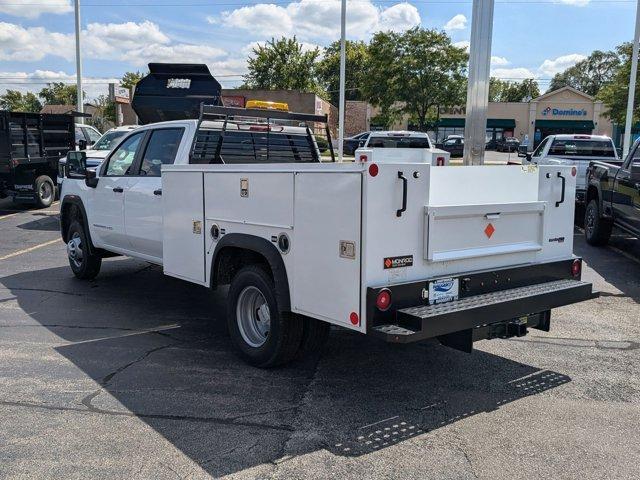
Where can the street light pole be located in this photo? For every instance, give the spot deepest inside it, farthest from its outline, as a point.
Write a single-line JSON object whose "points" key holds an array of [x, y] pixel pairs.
{"points": [[79, 103], [478, 87], [343, 61], [632, 86]]}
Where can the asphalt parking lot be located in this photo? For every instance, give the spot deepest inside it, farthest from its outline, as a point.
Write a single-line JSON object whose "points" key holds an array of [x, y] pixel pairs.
{"points": [[132, 376]]}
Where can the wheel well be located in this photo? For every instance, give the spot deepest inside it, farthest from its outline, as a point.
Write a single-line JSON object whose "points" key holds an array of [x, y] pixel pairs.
{"points": [[68, 214], [592, 194], [230, 260]]}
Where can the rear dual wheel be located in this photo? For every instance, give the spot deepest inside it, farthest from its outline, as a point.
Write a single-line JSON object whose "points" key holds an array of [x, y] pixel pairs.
{"points": [[263, 335]]}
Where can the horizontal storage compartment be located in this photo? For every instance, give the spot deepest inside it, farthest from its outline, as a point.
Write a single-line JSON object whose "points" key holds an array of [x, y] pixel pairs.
{"points": [[455, 232]]}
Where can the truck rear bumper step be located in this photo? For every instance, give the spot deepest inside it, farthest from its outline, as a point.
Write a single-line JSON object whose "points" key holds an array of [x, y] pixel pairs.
{"points": [[428, 321]]}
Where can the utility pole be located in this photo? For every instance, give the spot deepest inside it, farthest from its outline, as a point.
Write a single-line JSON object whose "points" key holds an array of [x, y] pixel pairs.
{"points": [[632, 86], [79, 102], [478, 87], [343, 61]]}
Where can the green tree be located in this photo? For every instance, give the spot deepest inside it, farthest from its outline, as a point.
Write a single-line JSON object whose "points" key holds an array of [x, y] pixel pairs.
{"points": [[130, 79], [19, 102], [505, 91], [283, 64], [588, 75], [357, 59], [415, 73], [615, 93], [59, 93]]}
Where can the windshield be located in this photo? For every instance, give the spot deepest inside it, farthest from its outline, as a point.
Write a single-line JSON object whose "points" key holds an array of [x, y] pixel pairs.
{"points": [[108, 140], [582, 148], [399, 142]]}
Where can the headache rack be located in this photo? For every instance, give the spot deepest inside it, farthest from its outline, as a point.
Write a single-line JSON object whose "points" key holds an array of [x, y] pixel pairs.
{"points": [[257, 136]]}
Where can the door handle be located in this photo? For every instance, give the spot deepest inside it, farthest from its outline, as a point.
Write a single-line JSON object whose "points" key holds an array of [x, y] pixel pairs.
{"points": [[563, 185], [118, 189], [404, 195], [157, 192]]}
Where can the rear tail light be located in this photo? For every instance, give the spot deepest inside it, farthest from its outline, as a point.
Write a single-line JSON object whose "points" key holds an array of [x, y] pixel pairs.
{"points": [[373, 169], [364, 158], [383, 300], [576, 268], [440, 161], [574, 171]]}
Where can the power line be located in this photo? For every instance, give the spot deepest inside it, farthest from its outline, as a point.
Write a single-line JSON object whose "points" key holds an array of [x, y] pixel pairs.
{"points": [[286, 2]]}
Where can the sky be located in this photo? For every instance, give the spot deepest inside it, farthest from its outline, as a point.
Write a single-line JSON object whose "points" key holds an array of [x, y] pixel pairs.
{"points": [[531, 38]]}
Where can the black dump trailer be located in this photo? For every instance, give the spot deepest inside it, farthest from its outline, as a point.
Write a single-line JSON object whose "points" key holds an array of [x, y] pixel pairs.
{"points": [[175, 91], [31, 144]]}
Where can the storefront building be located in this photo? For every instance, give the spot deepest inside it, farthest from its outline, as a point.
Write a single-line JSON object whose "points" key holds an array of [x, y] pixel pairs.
{"points": [[565, 110]]}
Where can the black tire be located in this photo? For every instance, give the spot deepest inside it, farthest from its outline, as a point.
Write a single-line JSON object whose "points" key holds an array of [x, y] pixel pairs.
{"points": [[85, 266], [44, 191], [597, 230], [315, 334], [279, 341]]}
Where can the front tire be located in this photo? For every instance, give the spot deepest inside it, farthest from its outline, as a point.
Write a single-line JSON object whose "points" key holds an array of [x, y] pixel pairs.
{"points": [[45, 191], [597, 230], [264, 337], [85, 265]]}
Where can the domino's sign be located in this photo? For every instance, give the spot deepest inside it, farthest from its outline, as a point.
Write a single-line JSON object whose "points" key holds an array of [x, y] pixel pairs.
{"points": [[560, 112]]}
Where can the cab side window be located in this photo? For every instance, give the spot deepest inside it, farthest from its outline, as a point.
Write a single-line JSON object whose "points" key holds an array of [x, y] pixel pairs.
{"points": [[540, 148], [161, 149], [122, 158]]}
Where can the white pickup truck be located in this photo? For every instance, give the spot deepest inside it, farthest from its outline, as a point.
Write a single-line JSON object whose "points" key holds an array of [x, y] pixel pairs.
{"points": [[575, 150], [401, 146], [398, 250]]}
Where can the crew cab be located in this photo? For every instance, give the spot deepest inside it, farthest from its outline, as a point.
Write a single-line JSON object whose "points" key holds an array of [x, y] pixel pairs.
{"points": [[396, 250], [613, 198], [577, 151]]}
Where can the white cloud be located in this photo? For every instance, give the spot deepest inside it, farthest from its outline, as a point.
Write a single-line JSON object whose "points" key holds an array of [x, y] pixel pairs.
{"points": [[32, 44], [458, 22], [398, 18], [35, 9], [559, 64], [36, 81], [499, 61], [318, 19], [518, 73], [180, 53], [463, 44]]}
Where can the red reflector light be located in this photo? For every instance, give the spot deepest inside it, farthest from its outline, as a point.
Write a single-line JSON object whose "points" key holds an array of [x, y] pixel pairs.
{"points": [[574, 171], [364, 158], [373, 169], [440, 161], [383, 300], [354, 319], [576, 268]]}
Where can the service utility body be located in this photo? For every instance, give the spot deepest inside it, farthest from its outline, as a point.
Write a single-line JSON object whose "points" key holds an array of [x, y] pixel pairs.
{"points": [[396, 249]]}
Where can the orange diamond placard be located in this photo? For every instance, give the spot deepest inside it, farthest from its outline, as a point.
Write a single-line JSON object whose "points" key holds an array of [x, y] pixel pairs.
{"points": [[489, 229]]}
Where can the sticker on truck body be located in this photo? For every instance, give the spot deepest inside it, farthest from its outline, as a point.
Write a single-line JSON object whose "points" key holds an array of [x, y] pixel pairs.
{"points": [[398, 262], [443, 290]]}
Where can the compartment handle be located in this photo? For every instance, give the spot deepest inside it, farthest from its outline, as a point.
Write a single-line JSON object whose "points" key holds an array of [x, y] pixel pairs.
{"points": [[563, 185], [404, 194]]}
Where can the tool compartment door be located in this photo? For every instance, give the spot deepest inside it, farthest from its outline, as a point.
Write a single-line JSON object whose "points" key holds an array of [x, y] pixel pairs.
{"points": [[183, 233], [455, 232], [327, 247]]}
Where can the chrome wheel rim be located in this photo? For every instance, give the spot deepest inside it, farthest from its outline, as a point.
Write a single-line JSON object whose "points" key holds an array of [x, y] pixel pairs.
{"points": [[74, 250], [253, 316], [590, 222], [45, 191]]}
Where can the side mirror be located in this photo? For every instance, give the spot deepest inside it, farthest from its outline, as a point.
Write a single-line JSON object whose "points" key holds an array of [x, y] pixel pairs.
{"points": [[528, 156], [76, 164], [82, 144], [91, 179], [361, 143]]}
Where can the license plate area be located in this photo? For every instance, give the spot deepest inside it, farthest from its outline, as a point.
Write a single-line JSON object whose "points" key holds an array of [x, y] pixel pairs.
{"points": [[443, 290]]}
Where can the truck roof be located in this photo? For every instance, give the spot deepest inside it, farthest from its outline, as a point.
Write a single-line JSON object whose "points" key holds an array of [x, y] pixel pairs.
{"points": [[398, 133], [579, 136]]}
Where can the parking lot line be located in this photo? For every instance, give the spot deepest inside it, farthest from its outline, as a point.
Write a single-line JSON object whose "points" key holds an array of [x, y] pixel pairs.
{"points": [[3, 217], [30, 249]]}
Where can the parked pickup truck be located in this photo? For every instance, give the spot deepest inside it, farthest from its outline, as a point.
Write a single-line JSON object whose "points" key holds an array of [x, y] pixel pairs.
{"points": [[397, 250], [402, 146], [613, 198], [577, 151]]}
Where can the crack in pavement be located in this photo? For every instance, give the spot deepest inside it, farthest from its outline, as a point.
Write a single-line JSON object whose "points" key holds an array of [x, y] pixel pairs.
{"points": [[45, 290], [586, 343], [158, 416]]}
